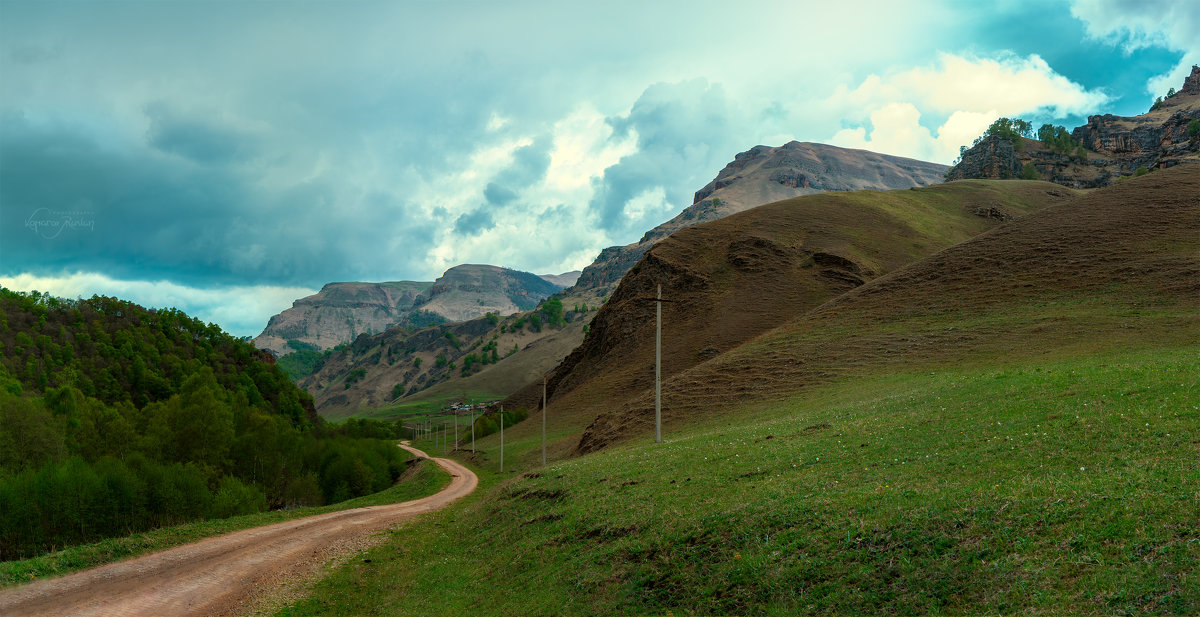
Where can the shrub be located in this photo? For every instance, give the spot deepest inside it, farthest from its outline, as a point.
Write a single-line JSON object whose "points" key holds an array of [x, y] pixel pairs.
{"points": [[1030, 172], [1193, 128]]}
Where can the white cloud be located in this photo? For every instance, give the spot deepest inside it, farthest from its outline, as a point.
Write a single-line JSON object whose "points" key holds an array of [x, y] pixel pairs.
{"points": [[969, 92], [241, 310], [541, 225], [1134, 24]]}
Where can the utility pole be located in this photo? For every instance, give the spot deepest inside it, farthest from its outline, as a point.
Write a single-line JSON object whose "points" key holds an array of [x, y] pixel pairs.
{"points": [[445, 436], [543, 420], [456, 429], [501, 439], [658, 367], [472, 431]]}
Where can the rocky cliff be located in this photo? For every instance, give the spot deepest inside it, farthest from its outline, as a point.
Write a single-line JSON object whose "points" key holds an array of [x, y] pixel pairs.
{"points": [[340, 312], [762, 175], [1116, 146]]}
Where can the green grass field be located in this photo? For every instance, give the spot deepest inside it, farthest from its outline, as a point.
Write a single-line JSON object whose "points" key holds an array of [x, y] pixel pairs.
{"points": [[427, 479], [1039, 487]]}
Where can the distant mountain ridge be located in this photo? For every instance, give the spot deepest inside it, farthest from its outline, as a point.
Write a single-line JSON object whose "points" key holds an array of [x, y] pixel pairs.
{"points": [[342, 311], [765, 174]]}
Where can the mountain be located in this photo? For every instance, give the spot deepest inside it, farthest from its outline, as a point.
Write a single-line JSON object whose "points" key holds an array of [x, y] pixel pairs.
{"points": [[487, 357], [1118, 268], [765, 174], [730, 280], [1114, 147], [566, 279], [755, 177], [342, 311], [469, 291], [338, 313]]}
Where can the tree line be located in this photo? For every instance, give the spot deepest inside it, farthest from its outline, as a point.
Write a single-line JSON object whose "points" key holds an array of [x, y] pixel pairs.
{"points": [[115, 419]]}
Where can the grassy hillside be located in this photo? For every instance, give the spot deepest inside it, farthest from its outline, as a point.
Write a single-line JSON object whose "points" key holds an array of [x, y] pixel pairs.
{"points": [[731, 280], [1062, 487], [1007, 427], [1119, 267]]}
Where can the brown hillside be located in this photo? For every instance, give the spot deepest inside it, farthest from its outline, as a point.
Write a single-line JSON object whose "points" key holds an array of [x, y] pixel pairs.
{"points": [[733, 279], [1117, 267]]}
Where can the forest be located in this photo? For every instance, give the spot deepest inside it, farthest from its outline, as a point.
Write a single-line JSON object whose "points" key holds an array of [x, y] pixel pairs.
{"points": [[116, 419]]}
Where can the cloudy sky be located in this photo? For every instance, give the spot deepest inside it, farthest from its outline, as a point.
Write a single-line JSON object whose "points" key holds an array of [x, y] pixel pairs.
{"points": [[227, 158]]}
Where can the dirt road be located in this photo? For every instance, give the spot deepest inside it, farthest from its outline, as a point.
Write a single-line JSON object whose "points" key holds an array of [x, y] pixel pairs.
{"points": [[220, 575]]}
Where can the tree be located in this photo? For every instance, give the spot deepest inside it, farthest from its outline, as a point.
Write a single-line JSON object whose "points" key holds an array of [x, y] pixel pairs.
{"points": [[1193, 128], [1030, 172]]}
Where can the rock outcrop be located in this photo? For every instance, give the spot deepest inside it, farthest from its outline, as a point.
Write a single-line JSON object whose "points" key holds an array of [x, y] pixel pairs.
{"points": [[1116, 146], [765, 174], [340, 312]]}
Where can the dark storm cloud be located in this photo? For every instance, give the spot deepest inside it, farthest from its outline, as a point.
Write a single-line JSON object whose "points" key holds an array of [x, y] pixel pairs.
{"points": [[164, 217], [528, 167], [195, 137], [498, 195], [472, 223]]}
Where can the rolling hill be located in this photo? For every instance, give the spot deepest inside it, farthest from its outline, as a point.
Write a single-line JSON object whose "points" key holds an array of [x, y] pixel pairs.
{"points": [[731, 280], [1007, 426], [1115, 268]]}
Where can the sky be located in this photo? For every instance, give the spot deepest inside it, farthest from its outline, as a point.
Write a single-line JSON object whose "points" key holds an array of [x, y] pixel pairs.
{"points": [[227, 158]]}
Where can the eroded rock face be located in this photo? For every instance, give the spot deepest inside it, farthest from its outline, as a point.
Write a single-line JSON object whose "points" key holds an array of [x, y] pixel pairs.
{"points": [[1191, 83], [994, 158], [1116, 146]]}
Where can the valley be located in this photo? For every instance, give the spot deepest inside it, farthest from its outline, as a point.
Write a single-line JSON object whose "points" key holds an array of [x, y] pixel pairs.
{"points": [[888, 387]]}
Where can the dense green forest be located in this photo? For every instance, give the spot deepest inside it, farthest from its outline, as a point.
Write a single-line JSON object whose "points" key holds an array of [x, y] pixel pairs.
{"points": [[116, 419]]}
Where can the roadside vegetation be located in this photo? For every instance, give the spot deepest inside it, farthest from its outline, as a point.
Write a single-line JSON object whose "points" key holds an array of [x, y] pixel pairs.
{"points": [[422, 478]]}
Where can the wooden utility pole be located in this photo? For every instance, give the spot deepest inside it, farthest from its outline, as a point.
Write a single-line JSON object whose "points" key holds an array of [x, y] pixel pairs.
{"points": [[658, 367], [456, 429], [501, 439], [472, 431], [543, 420]]}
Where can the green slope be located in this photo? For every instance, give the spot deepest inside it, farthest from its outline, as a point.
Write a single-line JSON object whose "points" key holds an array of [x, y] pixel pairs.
{"points": [[1048, 464]]}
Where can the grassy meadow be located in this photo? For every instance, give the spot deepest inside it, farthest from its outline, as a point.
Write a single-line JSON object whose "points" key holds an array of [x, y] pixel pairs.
{"points": [[1039, 487]]}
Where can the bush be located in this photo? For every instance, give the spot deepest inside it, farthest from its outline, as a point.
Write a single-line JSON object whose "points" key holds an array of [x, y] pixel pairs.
{"points": [[1030, 172], [234, 497], [1193, 128]]}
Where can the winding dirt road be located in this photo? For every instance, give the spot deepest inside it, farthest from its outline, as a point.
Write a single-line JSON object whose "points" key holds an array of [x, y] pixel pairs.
{"points": [[220, 575]]}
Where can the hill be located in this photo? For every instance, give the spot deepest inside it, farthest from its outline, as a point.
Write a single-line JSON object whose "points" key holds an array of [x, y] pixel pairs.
{"points": [[487, 357], [755, 177], [1109, 147], [765, 174], [735, 278], [341, 311], [1114, 268], [1005, 427]]}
